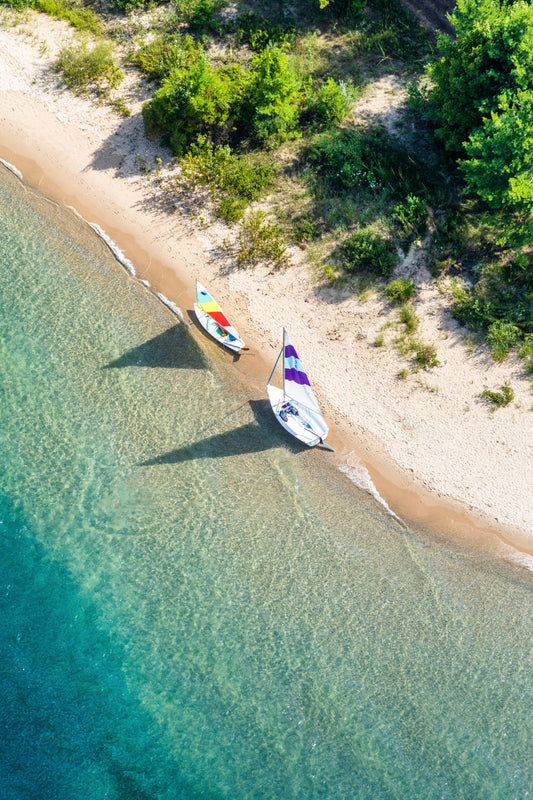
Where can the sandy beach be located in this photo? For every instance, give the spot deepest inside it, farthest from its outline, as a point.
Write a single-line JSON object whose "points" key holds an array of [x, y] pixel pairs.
{"points": [[430, 445]]}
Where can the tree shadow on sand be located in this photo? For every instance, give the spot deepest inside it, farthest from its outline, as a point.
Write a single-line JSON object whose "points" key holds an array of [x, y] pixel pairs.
{"points": [[172, 349]]}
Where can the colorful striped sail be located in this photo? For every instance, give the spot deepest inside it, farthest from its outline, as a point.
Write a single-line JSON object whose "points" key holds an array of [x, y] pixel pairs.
{"points": [[295, 381], [207, 304]]}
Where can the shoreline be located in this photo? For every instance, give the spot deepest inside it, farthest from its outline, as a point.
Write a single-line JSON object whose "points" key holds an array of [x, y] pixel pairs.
{"points": [[66, 159]]}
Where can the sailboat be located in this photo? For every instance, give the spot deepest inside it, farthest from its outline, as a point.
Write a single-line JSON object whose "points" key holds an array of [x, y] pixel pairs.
{"points": [[295, 405], [214, 321]]}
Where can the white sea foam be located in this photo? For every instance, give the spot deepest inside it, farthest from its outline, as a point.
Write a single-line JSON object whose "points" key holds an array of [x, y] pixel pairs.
{"points": [[144, 282], [12, 169], [359, 475], [117, 252], [173, 307]]}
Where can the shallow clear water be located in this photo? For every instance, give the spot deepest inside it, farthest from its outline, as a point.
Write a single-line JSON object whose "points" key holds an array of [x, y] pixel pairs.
{"points": [[193, 607]]}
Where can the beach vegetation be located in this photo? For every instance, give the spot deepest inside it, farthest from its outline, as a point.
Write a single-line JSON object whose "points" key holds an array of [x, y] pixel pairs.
{"points": [[400, 290], [426, 356], [407, 316], [262, 104], [368, 251], [260, 240], [501, 337], [503, 397], [87, 67]]}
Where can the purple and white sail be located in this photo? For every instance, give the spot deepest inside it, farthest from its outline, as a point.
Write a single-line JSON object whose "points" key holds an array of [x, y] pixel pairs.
{"points": [[296, 384]]}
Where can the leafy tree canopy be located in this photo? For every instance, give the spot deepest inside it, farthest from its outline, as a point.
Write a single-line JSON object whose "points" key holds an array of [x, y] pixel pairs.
{"points": [[492, 54]]}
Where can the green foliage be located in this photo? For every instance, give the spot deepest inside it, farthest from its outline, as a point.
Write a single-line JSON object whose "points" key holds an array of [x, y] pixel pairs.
{"points": [[234, 180], [504, 292], [367, 251], [167, 52], [525, 351], [411, 216], [501, 398], [329, 104], [408, 317], [426, 356], [501, 337], [271, 102], [498, 167], [260, 33], [350, 158], [200, 100], [491, 54], [89, 68], [260, 240], [79, 16], [400, 290]]}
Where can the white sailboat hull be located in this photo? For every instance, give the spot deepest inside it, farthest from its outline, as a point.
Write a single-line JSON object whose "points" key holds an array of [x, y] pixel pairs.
{"points": [[307, 426], [211, 327]]}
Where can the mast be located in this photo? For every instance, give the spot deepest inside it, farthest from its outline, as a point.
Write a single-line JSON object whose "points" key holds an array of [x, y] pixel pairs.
{"points": [[283, 351]]}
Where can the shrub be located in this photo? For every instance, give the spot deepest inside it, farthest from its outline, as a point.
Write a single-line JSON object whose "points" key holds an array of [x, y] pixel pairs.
{"points": [[501, 337], [85, 68], [400, 290], [271, 102], [260, 240], [411, 216], [526, 352], [407, 317], [426, 356], [199, 100], [165, 53], [329, 104], [367, 251], [502, 398], [239, 179]]}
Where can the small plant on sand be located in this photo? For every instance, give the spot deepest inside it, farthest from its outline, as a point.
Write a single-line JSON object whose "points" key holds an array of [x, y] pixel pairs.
{"points": [[85, 68], [501, 337], [525, 351], [400, 290], [501, 398], [260, 240], [426, 356], [403, 374], [407, 317]]}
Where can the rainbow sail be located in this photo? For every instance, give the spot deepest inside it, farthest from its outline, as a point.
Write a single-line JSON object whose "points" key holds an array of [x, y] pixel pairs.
{"points": [[213, 319], [207, 304]]}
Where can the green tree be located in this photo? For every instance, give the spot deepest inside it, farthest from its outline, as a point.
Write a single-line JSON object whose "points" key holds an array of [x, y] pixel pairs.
{"points": [[271, 107], [499, 167], [199, 100], [490, 56]]}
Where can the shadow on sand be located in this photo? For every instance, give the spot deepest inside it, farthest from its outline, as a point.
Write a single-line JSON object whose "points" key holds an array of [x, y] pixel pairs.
{"points": [[171, 349]]}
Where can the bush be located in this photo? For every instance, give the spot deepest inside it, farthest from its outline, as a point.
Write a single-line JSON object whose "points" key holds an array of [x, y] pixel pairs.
{"points": [[426, 356], [260, 240], [165, 53], [271, 103], [411, 216], [235, 180], [501, 337], [329, 104], [400, 290], [502, 398], [367, 251], [199, 100], [85, 68]]}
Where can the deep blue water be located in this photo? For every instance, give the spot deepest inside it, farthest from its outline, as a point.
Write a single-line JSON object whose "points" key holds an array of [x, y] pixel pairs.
{"points": [[192, 606]]}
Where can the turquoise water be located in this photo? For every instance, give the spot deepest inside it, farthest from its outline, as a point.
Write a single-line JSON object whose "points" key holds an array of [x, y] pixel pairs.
{"points": [[194, 607]]}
